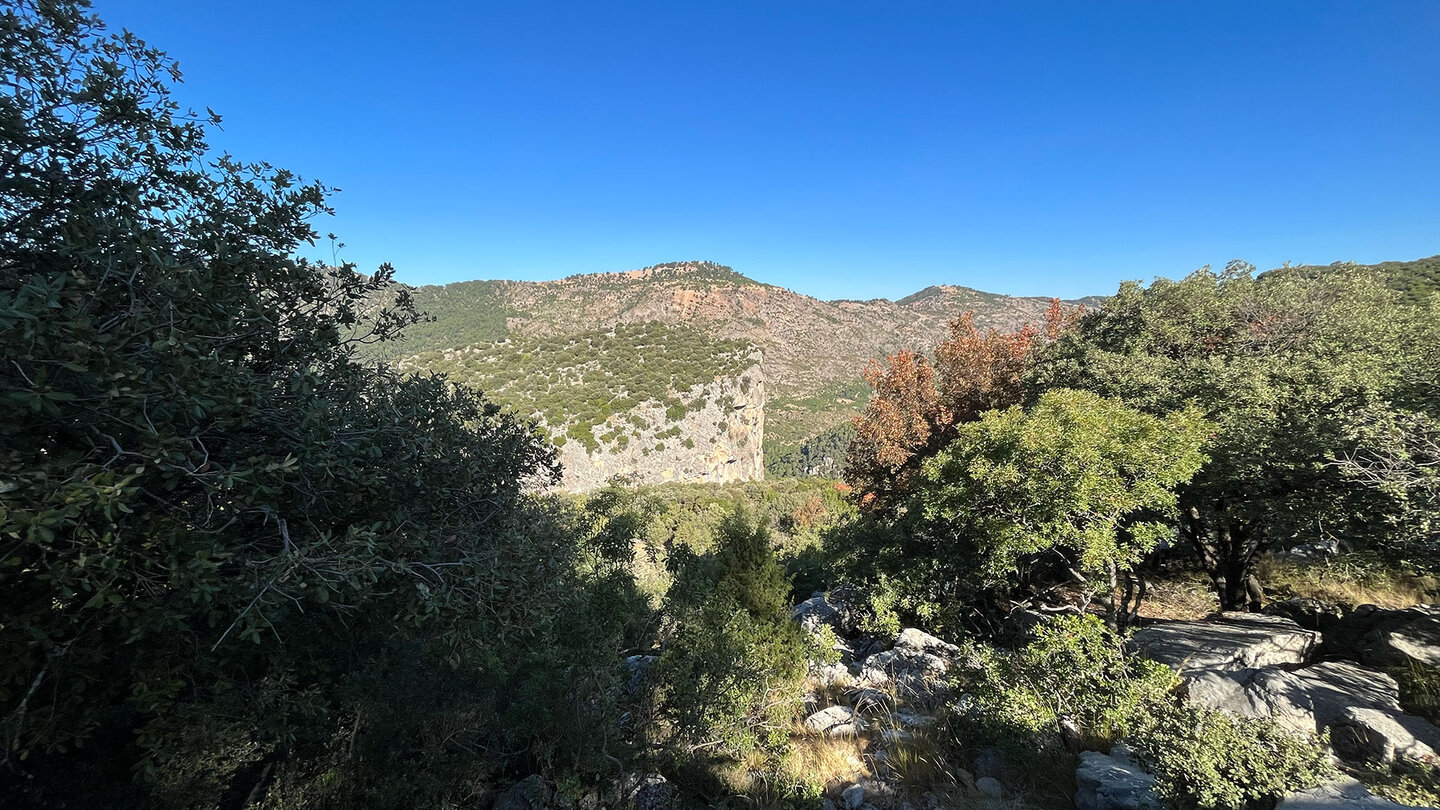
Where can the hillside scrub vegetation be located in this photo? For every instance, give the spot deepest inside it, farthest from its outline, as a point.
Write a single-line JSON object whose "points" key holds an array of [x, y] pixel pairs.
{"points": [[576, 383], [244, 564]]}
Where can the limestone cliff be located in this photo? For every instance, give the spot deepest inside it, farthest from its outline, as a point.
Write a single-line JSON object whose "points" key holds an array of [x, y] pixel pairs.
{"points": [[719, 438]]}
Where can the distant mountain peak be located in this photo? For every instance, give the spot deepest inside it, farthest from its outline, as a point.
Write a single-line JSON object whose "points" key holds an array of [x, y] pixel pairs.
{"points": [[705, 273]]}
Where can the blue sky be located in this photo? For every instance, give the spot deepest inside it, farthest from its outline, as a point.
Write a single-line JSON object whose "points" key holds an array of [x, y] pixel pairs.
{"points": [[842, 149]]}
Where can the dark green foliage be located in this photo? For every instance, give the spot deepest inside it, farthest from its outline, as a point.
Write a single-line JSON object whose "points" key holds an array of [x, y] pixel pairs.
{"points": [[819, 455], [792, 422], [733, 662], [454, 315], [1077, 475], [1211, 760], [1416, 281], [1076, 671], [230, 551], [1282, 365]]}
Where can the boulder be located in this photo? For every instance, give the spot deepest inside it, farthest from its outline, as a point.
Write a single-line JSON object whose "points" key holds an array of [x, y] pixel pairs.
{"points": [[1334, 686], [530, 793], [1309, 613], [1359, 706], [837, 675], [871, 701], [1342, 794], [836, 721], [1387, 638], [639, 667], [912, 720], [1231, 642], [990, 786], [915, 668], [1303, 701], [1269, 692], [840, 609], [1113, 782], [1373, 736], [853, 797], [989, 761], [920, 641], [815, 614], [654, 793]]}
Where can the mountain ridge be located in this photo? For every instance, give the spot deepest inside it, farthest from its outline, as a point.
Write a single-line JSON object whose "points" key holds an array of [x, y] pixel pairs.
{"points": [[808, 342]]}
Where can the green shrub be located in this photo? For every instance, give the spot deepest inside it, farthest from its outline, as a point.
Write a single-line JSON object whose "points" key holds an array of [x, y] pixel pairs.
{"points": [[733, 662], [237, 555], [1211, 760], [1075, 669], [1419, 689], [1075, 672]]}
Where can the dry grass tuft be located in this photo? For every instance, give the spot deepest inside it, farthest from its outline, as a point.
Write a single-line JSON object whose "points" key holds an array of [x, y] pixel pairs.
{"points": [[1344, 580], [1183, 596], [832, 762]]}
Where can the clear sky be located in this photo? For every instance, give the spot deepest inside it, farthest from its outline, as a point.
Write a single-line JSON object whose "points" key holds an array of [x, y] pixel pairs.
{"points": [[844, 149]]}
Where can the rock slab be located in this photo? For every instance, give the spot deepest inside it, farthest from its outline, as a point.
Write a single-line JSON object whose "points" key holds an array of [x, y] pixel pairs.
{"points": [[1113, 782], [1232, 642]]}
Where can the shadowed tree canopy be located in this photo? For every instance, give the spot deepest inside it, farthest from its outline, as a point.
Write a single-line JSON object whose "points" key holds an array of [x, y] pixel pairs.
{"points": [[217, 526]]}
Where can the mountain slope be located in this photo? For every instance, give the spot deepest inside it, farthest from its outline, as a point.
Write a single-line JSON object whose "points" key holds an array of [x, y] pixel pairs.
{"points": [[807, 343]]}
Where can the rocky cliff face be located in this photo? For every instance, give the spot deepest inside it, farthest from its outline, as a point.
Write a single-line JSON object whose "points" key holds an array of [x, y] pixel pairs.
{"points": [[719, 439]]}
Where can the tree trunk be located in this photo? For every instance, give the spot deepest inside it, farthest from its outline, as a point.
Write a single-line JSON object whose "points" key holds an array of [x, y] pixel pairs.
{"points": [[1229, 551]]}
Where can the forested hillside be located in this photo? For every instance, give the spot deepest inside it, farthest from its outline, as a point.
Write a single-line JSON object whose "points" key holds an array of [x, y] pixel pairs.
{"points": [[807, 343], [814, 351], [1415, 280]]}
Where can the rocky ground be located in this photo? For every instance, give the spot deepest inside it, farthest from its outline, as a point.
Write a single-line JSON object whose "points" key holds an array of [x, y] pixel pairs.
{"points": [[1326, 678], [1315, 673]]}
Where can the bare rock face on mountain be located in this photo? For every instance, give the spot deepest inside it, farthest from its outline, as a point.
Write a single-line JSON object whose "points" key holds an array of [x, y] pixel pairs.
{"points": [[718, 440]]}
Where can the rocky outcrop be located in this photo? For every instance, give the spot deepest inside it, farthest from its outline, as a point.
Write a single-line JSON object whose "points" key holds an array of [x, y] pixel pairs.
{"points": [[1378, 737], [1235, 641], [719, 439], [839, 609], [1385, 638], [1254, 666], [835, 721], [1309, 613], [1305, 701], [915, 668], [1270, 692]]}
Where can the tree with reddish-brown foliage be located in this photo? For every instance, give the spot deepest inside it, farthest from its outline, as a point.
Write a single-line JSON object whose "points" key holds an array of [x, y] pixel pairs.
{"points": [[917, 402]]}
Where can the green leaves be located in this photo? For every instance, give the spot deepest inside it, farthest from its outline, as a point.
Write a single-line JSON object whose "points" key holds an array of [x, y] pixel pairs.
{"points": [[1077, 473], [202, 482], [1280, 364]]}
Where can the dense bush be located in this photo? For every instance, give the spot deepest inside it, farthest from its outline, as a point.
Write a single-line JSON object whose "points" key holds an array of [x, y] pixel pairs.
{"points": [[1080, 478], [1075, 671], [733, 662], [229, 549], [1211, 760], [1075, 679], [1283, 364]]}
